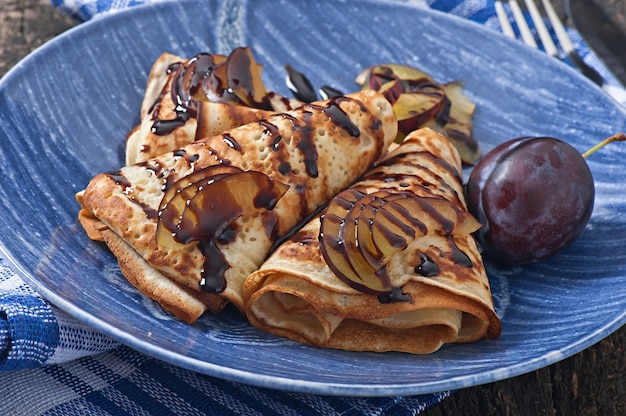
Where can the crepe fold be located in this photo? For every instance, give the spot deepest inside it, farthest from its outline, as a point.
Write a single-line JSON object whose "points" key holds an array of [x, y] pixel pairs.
{"points": [[317, 150], [176, 112], [296, 295]]}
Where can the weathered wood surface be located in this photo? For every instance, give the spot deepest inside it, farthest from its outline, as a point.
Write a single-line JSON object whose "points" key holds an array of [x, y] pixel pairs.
{"points": [[592, 382]]}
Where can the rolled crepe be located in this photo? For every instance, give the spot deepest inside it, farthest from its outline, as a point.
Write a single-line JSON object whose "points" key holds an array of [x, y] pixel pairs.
{"points": [[445, 290], [175, 112], [317, 150]]}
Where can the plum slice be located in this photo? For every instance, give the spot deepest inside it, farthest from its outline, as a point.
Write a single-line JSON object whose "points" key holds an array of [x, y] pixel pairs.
{"points": [[459, 125], [194, 75], [218, 200], [433, 215], [332, 237], [376, 76], [420, 101], [175, 199], [404, 216], [415, 102], [243, 75], [360, 250], [360, 233], [416, 97]]}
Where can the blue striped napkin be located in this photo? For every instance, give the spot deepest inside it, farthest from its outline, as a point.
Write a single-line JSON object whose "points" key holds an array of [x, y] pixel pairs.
{"points": [[70, 369], [53, 364], [34, 333]]}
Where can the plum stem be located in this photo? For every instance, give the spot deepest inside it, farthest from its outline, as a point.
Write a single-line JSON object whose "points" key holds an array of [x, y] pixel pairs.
{"points": [[618, 137]]}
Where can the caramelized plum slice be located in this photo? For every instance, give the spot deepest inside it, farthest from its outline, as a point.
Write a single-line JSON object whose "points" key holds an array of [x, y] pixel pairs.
{"points": [[177, 195], [380, 229], [376, 76], [197, 70], [346, 244], [359, 258], [452, 117], [216, 87], [203, 210], [300, 85], [403, 218], [392, 230], [415, 103], [215, 206], [194, 177], [244, 78], [459, 125], [361, 233], [368, 247], [447, 218], [332, 237]]}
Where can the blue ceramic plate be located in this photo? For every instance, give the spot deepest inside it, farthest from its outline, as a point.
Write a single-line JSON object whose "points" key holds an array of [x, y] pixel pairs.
{"points": [[66, 108]]}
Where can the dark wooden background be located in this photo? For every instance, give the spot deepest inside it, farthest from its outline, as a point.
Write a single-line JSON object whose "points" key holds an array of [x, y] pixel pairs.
{"points": [[592, 382]]}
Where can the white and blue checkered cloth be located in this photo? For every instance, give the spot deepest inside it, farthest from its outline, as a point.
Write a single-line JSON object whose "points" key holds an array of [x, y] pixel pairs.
{"points": [[34, 333], [51, 364]]}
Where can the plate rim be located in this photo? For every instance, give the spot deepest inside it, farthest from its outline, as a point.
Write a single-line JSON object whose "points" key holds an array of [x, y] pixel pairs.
{"points": [[267, 381]]}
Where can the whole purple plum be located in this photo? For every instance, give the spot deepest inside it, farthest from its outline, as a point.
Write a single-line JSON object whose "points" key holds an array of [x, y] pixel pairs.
{"points": [[533, 195]]}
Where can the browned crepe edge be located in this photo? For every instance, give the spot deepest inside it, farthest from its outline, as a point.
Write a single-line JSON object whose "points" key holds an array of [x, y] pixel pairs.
{"points": [[375, 338], [181, 302], [184, 303]]}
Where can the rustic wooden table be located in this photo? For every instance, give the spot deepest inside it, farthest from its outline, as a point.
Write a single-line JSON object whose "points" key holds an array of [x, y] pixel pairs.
{"points": [[592, 382]]}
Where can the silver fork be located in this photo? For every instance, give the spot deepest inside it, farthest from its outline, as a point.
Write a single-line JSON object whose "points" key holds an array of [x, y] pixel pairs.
{"points": [[544, 35]]}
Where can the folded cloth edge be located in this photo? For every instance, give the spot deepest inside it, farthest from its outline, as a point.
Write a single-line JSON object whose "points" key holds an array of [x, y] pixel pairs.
{"points": [[34, 333], [29, 334]]}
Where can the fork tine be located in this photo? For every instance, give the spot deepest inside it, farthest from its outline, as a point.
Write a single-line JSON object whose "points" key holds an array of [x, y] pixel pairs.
{"points": [[542, 30], [559, 29], [522, 25], [507, 29], [548, 44]]}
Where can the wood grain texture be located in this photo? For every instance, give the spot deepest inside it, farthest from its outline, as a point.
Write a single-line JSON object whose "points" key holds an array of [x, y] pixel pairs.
{"points": [[592, 382], [26, 24]]}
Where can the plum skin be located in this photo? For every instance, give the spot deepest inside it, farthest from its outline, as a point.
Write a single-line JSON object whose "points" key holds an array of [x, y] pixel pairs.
{"points": [[534, 197]]}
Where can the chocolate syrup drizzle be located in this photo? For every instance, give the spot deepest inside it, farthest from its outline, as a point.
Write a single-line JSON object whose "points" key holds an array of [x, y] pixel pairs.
{"points": [[187, 81], [198, 80]]}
